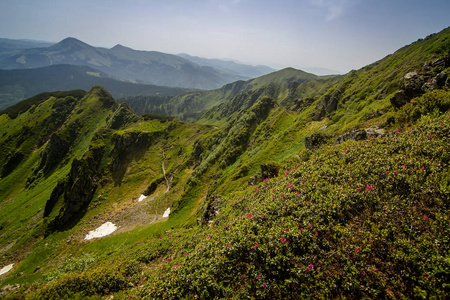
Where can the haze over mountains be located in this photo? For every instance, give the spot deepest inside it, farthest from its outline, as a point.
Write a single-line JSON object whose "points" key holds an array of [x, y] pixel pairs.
{"points": [[137, 66], [301, 186]]}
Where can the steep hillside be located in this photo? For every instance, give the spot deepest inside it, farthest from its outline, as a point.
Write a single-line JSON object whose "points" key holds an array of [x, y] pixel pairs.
{"points": [[124, 63], [17, 85], [332, 187], [191, 106]]}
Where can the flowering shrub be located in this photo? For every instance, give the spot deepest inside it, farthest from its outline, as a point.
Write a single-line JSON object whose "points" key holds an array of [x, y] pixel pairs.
{"points": [[363, 219]]}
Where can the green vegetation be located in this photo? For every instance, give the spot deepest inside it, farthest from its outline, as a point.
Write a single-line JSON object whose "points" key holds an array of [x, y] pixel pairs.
{"points": [[254, 213]]}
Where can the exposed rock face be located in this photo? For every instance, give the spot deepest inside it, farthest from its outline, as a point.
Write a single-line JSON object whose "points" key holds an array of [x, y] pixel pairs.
{"points": [[315, 140], [212, 209], [328, 104], [13, 161], [77, 189], [301, 104], [360, 134], [414, 84], [436, 83], [124, 144], [124, 115], [54, 153]]}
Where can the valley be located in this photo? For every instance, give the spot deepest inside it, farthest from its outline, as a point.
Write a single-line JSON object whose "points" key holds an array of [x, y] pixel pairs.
{"points": [[287, 185]]}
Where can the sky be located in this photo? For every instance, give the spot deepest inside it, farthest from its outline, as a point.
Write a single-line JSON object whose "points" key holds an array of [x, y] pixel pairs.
{"points": [[339, 35]]}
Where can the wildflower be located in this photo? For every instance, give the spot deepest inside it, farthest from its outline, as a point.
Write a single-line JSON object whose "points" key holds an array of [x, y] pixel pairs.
{"points": [[357, 250], [357, 189], [317, 233], [307, 203], [423, 169], [169, 260], [375, 270], [369, 187], [264, 284], [404, 167], [259, 277], [296, 193]]}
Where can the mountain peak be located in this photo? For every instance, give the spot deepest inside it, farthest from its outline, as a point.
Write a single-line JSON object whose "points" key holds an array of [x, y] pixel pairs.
{"points": [[71, 42]]}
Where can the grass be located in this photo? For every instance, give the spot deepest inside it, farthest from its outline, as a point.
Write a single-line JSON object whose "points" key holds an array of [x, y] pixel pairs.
{"points": [[352, 220]]}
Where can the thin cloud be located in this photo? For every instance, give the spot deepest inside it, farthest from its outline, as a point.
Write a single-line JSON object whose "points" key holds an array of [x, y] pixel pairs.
{"points": [[332, 8]]}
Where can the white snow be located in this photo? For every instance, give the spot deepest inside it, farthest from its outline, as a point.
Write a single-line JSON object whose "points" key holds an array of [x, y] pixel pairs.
{"points": [[6, 269], [104, 230], [166, 213], [142, 197]]}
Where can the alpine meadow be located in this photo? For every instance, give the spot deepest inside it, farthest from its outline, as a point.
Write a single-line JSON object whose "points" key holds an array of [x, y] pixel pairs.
{"points": [[223, 185]]}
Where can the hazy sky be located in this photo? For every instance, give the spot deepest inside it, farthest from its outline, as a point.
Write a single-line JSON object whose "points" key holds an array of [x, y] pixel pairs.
{"points": [[335, 34]]}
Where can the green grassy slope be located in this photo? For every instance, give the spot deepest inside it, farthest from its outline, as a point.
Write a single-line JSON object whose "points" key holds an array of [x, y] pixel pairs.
{"points": [[353, 220]]}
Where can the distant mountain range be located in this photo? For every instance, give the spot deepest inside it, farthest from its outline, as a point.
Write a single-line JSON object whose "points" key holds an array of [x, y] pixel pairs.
{"points": [[230, 66], [16, 85], [10, 47], [127, 64]]}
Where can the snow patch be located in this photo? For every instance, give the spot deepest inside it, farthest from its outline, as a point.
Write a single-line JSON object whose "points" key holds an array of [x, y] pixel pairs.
{"points": [[166, 213], [142, 197], [6, 269], [102, 231]]}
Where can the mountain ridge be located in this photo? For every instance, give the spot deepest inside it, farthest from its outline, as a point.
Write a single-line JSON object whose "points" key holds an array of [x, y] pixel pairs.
{"points": [[124, 63], [19, 84], [328, 187]]}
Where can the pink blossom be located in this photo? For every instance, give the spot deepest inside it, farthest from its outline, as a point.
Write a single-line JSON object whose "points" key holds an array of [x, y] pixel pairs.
{"points": [[357, 250], [369, 187], [317, 233], [404, 167], [169, 260], [264, 284]]}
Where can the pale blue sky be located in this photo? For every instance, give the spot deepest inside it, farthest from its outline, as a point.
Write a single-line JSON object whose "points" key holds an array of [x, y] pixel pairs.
{"points": [[335, 34]]}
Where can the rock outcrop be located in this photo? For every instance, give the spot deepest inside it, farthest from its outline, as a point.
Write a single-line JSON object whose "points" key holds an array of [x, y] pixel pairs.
{"points": [[327, 104], [212, 209], [360, 134], [315, 140], [414, 84], [76, 191]]}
